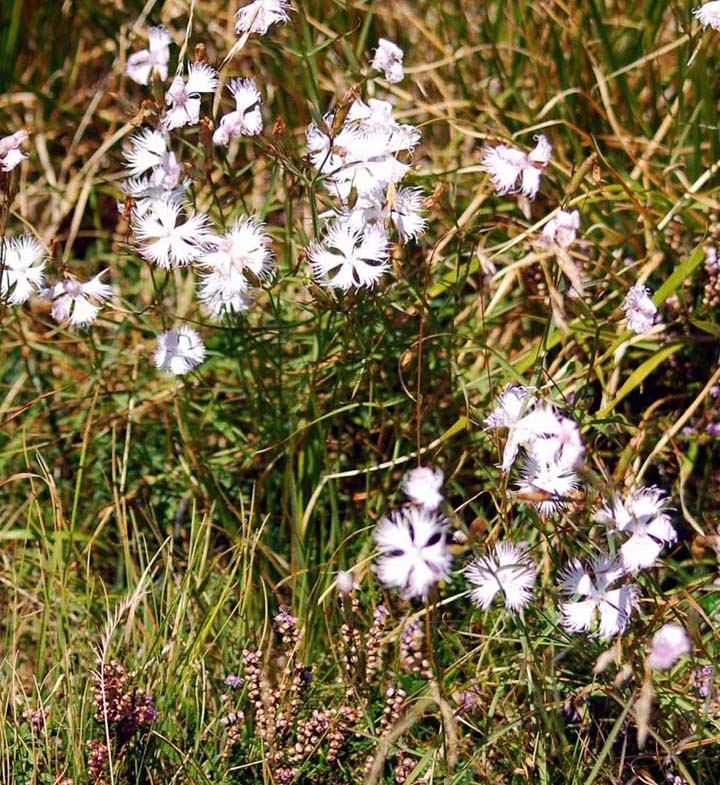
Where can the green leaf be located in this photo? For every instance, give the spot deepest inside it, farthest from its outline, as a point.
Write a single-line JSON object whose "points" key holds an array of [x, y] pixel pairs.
{"points": [[638, 376]]}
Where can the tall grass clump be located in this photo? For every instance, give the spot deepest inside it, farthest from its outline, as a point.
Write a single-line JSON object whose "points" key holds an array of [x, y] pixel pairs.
{"points": [[359, 392]]}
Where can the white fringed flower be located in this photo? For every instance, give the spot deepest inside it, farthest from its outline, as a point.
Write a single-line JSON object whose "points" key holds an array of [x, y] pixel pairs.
{"points": [[153, 60], [405, 213], [260, 15], [709, 14], [179, 351], [506, 165], [362, 155], [21, 275], [614, 606], [389, 58], [513, 401], [668, 644], [234, 262], [247, 118], [561, 229], [183, 97], [164, 241], [510, 571], [10, 152], [149, 148], [78, 302], [640, 309], [643, 514], [349, 257], [413, 551], [422, 486]]}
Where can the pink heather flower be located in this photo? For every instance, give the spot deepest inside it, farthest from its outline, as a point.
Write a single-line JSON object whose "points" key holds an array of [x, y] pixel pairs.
{"points": [[640, 309], [422, 486], [509, 571], [708, 14], [260, 15], [349, 257], [389, 58], [22, 261], [10, 152], [643, 514], [669, 643], [247, 118], [614, 606], [506, 165], [78, 302], [183, 97], [153, 60], [179, 351], [164, 241], [413, 551], [561, 229]]}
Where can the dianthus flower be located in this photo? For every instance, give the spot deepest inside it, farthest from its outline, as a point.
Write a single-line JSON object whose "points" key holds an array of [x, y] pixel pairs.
{"points": [[234, 261], [643, 514], [506, 165], [389, 58], [413, 551], [509, 571], [179, 351], [183, 97], [260, 15], [247, 118], [640, 309], [349, 257], [668, 644], [20, 273], [708, 14], [10, 152], [422, 486], [614, 606], [561, 229], [153, 60], [164, 241], [78, 302]]}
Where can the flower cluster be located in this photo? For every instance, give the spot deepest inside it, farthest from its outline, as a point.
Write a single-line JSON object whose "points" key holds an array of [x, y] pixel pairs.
{"points": [[551, 442], [357, 151], [230, 260]]}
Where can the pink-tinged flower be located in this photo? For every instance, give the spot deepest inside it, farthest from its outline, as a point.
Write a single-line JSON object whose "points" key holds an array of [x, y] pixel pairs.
{"points": [[164, 241], [183, 97], [22, 261], [260, 15], [709, 14], [247, 118], [10, 152], [389, 58], [614, 606], [153, 60], [234, 262], [179, 351], [422, 486], [413, 551], [506, 165], [640, 309], [510, 571], [78, 302], [669, 643], [643, 514], [561, 229], [349, 257], [362, 155]]}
